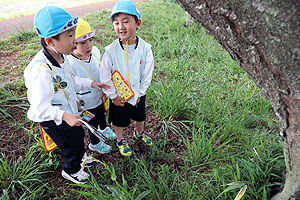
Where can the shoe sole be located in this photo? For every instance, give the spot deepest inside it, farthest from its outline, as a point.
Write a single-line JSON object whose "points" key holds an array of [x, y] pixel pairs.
{"points": [[70, 178], [126, 155]]}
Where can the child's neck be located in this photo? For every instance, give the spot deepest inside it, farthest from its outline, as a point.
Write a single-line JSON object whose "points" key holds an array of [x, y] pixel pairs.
{"points": [[130, 41], [57, 56], [80, 56]]}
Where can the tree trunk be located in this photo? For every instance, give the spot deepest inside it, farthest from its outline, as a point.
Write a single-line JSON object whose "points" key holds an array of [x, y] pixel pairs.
{"points": [[264, 37]]}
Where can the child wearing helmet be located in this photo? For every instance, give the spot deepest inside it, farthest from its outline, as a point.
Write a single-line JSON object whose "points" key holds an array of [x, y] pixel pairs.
{"points": [[127, 66], [51, 88], [85, 62]]}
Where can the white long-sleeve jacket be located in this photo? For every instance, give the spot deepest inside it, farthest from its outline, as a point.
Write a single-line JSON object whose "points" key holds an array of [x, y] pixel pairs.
{"points": [[47, 100], [140, 66], [91, 98]]}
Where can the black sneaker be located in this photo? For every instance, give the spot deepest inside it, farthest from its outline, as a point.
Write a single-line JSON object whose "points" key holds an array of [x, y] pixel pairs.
{"points": [[80, 177]]}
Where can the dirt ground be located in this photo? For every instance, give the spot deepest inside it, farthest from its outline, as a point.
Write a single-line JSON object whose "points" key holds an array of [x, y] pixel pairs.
{"points": [[11, 26]]}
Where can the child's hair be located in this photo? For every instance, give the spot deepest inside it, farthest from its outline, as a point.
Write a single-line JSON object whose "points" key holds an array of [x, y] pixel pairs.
{"points": [[125, 6], [115, 15], [50, 21], [44, 44]]}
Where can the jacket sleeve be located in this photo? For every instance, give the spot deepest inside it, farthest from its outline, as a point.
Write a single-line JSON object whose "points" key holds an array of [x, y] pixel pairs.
{"points": [[82, 83], [147, 73], [105, 76]]}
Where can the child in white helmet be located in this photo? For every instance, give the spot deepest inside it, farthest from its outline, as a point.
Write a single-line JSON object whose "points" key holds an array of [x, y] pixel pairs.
{"points": [[85, 62], [52, 85], [130, 60]]}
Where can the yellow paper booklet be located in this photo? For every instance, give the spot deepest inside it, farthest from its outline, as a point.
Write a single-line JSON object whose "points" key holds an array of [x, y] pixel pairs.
{"points": [[121, 86]]}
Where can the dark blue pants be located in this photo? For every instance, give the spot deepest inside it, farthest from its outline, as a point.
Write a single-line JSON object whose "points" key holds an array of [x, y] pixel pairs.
{"points": [[70, 141]]}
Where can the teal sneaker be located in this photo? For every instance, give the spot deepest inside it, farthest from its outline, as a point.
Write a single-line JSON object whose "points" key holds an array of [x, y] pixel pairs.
{"points": [[108, 133], [101, 147], [145, 138], [124, 148]]}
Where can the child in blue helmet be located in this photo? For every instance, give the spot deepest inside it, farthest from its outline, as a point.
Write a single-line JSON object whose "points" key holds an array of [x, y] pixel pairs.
{"points": [[52, 85], [132, 58], [85, 62]]}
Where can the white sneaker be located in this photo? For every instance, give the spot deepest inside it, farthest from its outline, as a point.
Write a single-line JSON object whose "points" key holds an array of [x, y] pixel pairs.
{"points": [[78, 178], [88, 160]]}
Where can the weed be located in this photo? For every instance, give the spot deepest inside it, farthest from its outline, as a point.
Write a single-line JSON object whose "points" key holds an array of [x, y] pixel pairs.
{"points": [[214, 130], [22, 178], [10, 99]]}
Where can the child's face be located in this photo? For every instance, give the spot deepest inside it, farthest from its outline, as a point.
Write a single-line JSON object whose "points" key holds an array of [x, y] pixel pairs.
{"points": [[84, 48], [66, 41], [125, 27]]}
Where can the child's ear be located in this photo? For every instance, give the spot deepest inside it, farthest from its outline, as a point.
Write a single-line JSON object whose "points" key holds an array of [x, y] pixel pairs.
{"points": [[48, 41], [138, 24]]}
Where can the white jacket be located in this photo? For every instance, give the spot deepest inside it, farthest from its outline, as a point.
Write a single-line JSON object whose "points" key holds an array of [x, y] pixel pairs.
{"points": [[140, 65], [88, 69], [47, 100]]}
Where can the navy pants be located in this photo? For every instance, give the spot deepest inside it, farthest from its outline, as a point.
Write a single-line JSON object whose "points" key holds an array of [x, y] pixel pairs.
{"points": [[70, 141]]}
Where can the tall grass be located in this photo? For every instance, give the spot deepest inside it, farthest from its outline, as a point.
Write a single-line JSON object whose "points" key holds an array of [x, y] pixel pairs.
{"points": [[217, 133], [22, 178], [10, 99]]}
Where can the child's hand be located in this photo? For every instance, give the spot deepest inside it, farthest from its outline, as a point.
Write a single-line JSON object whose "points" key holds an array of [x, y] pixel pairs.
{"points": [[99, 85], [71, 119], [119, 101], [138, 100], [79, 106]]}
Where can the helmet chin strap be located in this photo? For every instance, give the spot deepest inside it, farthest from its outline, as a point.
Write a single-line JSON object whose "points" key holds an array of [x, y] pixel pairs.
{"points": [[54, 50]]}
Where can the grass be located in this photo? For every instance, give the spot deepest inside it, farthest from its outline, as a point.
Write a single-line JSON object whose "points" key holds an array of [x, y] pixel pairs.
{"points": [[22, 178], [9, 99], [216, 132]]}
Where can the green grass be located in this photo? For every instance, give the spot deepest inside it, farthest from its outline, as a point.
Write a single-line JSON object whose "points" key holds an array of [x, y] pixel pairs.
{"points": [[22, 178], [217, 132], [8, 99]]}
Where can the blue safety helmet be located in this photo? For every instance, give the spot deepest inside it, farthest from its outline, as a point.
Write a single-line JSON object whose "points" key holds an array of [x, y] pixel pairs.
{"points": [[52, 20], [125, 6]]}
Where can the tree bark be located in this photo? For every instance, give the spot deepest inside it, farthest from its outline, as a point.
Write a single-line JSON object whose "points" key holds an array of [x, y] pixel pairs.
{"points": [[264, 37]]}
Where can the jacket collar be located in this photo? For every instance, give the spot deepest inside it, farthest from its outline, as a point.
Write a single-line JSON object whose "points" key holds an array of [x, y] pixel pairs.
{"points": [[137, 42], [51, 59], [87, 61]]}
